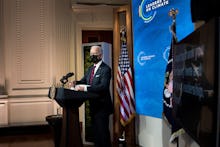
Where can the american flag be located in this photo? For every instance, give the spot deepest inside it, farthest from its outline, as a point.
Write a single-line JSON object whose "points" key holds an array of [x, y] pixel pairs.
{"points": [[124, 87]]}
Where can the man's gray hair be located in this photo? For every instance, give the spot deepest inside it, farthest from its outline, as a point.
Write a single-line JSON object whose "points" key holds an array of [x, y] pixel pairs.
{"points": [[99, 47]]}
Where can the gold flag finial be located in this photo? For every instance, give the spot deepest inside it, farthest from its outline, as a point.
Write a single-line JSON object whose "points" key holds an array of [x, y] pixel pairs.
{"points": [[123, 34], [173, 12]]}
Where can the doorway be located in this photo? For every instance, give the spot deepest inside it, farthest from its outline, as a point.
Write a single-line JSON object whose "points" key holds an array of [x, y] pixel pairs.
{"points": [[91, 36]]}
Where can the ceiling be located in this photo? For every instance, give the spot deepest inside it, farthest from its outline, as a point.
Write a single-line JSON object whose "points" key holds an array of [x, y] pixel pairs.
{"points": [[100, 2]]}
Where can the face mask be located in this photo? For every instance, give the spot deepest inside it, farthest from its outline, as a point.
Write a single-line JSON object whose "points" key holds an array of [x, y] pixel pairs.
{"points": [[94, 58]]}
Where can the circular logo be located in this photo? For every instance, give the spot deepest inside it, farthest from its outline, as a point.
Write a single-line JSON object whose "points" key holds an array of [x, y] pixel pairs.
{"points": [[166, 53], [146, 12], [139, 58]]}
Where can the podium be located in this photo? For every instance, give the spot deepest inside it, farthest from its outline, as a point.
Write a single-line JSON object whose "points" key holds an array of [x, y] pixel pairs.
{"points": [[70, 101]]}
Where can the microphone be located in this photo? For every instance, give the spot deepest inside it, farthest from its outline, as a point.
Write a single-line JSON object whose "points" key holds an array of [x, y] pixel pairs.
{"points": [[64, 79], [70, 74]]}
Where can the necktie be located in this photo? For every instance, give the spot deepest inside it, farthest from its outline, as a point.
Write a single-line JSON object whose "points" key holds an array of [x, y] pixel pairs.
{"points": [[91, 75]]}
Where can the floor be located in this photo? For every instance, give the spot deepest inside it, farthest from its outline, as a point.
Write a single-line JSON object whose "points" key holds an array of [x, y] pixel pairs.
{"points": [[36, 135], [32, 140]]}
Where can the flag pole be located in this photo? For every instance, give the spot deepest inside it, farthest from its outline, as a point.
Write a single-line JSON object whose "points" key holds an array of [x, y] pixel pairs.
{"points": [[172, 13], [175, 127]]}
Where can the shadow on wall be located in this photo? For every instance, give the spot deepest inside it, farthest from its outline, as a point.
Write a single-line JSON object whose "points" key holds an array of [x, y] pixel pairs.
{"points": [[2, 90]]}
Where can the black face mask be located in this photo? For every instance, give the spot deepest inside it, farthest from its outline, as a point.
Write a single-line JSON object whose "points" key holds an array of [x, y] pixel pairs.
{"points": [[94, 58]]}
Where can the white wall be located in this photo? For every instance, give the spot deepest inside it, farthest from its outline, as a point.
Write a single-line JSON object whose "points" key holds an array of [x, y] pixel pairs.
{"points": [[148, 130], [37, 36], [2, 67]]}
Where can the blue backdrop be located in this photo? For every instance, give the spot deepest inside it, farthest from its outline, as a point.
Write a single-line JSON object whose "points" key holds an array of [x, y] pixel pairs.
{"points": [[152, 40]]}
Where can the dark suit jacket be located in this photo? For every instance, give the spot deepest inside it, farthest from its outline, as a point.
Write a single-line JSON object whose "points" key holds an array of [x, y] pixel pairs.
{"points": [[100, 85]]}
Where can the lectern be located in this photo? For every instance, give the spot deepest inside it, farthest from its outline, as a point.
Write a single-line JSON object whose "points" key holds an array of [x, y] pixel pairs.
{"points": [[70, 101]]}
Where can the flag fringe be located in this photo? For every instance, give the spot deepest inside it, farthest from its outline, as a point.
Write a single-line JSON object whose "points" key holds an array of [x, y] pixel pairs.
{"points": [[123, 123]]}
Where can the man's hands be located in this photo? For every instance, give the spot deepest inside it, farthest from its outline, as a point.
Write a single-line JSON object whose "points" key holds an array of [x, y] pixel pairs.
{"points": [[79, 88], [72, 85]]}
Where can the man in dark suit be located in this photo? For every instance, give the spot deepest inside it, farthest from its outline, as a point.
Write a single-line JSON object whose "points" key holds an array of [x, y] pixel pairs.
{"points": [[97, 80]]}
